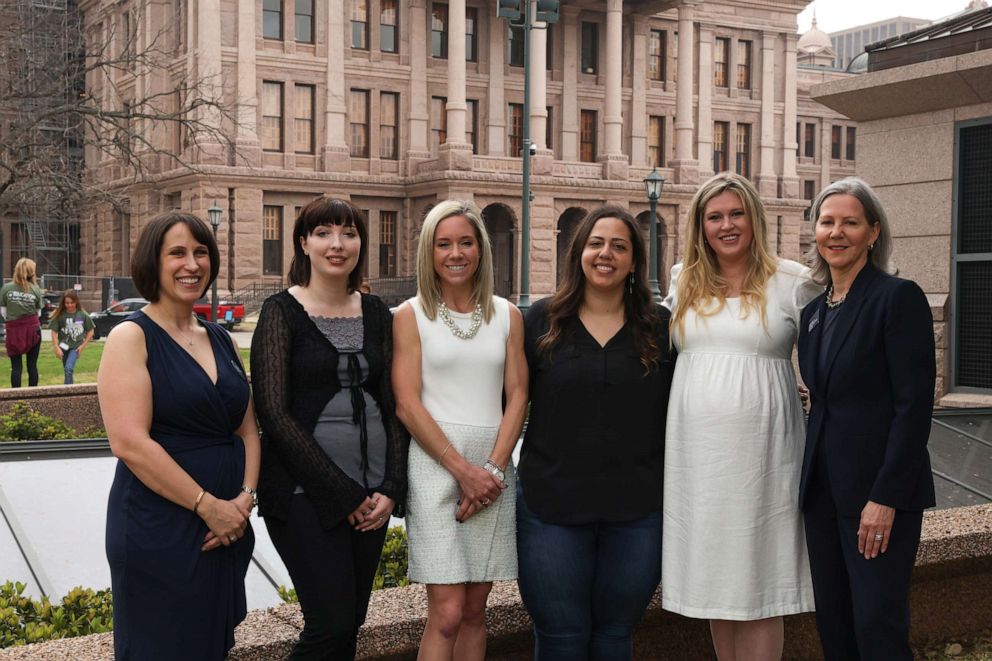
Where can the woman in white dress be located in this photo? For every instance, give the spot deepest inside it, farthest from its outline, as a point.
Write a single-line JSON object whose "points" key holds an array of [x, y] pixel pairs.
{"points": [[457, 350], [733, 548]]}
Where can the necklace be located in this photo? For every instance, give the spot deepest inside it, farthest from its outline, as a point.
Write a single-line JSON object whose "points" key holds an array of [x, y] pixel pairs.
{"points": [[833, 304], [189, 340], [445, 314]]}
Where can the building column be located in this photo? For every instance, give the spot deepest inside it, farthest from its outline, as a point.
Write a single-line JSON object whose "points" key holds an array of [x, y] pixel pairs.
{"points": [[767, 180], [496, 122], [419, 124], [208, 79], [336, 156], [543, 160], [790, 181], [638, 94], [685, 166], [824, 152], [570, 82], [704, 130], [249, 149], [455, 153], [613, 158]]}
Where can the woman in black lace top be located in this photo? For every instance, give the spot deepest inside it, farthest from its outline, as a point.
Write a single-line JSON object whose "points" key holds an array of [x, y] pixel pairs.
{"points": [[333, 453]]}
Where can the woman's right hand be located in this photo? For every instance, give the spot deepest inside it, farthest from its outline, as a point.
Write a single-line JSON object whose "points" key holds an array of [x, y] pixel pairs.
{"points": [[480, 489], [58, 352], [226, 519], [361, 512]]}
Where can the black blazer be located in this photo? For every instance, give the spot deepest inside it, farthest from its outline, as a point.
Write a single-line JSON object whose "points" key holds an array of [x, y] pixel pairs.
{"points": [[872, 406]]}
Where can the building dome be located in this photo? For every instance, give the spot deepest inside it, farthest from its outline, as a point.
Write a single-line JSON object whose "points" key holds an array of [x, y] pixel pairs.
{"points": [[859, 64], [815, 41]]}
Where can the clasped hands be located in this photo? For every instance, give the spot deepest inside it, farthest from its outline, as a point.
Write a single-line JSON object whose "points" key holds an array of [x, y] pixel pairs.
{"points": [[227, 519], [480, 489], [373, 513]]}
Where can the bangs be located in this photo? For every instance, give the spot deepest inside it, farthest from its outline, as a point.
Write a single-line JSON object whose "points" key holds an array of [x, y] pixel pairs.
{"points": [[328, 211]]}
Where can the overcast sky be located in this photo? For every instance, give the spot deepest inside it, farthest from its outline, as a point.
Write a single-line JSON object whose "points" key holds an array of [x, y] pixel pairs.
{"points": [[834, 15]]}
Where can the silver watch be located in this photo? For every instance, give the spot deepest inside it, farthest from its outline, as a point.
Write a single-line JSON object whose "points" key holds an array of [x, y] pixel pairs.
{"points": [[495, 470], [251, 492]]}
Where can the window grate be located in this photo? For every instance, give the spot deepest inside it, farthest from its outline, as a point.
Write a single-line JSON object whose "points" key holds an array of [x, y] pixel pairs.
{"points": [[974, 324], [975, 190]]}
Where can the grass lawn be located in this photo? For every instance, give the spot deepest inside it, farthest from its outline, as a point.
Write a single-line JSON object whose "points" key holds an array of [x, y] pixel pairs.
{"points": [[50, 367]]}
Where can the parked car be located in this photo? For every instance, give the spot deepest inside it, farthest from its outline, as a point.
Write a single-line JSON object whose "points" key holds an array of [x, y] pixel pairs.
{"points": [[104, 321], [229, 314], [50, 302]]}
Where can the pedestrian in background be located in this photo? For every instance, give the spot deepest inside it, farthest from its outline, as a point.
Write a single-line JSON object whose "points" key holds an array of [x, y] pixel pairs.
{"points": [[20, 305], [72, 330]]}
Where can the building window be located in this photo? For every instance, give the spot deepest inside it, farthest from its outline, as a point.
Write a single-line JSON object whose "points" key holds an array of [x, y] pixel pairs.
{"points": [[835, 142], [809, 144], [809, 192], [389, 107], [744, 65], [656, 141], [439, 122], [721, 54], [744, 150], [272, 19], [720, 131], [849, 147], [471, 29], [472, 124], [358, 114], [304, 119], [549, 130], [515, 46], [549, 47], [360, 24], [590, 47], [675, 55], [656, 55], [587, 137], [387, 244], [272, 104], [439, 31], [179, 22], [388, 20], [516, 134], [271, 240], [304, 21]]}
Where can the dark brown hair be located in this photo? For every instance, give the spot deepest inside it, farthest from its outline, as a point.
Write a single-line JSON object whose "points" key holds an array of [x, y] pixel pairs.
{"points": [[146, 260], [71, 295], [639, 310], [322, 212]]}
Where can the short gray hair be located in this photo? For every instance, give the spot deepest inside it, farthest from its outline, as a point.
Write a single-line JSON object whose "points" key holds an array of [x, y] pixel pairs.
{"points": [[875, 215]]}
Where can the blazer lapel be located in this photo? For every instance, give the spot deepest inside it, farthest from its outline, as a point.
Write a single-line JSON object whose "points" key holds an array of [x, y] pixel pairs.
{"points": [[848, 314], [813, 335]]}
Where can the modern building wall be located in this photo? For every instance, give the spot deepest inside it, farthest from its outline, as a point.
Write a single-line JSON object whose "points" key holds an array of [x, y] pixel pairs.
{"points": [[850, 43], [615, 92]]}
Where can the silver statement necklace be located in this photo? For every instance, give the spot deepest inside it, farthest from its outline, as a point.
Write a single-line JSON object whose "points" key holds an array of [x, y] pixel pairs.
{"points": [[831, 303], [473, 328]]}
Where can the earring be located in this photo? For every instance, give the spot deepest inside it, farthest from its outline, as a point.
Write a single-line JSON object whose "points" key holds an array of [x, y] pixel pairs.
{"points": [[871, 246], [630, 283]]}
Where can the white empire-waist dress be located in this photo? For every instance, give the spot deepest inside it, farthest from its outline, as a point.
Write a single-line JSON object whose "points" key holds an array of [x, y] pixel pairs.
{"points": [[733, 543], [462, 389]]}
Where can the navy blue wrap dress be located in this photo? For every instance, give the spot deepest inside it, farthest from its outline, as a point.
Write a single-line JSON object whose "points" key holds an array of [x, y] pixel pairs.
{"points": [[172, 600]]}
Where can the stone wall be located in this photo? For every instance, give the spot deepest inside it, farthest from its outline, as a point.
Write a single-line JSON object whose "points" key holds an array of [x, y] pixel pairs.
{"points": [[75, 405]]}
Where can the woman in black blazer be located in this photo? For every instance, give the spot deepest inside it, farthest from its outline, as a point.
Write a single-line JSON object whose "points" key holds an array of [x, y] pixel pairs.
{"points": [[866, 353]]}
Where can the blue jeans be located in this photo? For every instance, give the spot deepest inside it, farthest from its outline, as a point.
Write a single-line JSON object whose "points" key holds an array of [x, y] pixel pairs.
{"points": [[586, 586], [69, 359]]}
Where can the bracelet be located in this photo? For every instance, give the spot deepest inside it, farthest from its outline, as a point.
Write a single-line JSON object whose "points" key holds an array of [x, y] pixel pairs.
{"points": [[251, 492], [493, 469], [444, 452], [199, 497]]}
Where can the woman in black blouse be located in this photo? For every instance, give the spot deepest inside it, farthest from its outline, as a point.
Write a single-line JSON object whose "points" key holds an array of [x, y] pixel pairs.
{"points": [[333, 453], [590, 474]]}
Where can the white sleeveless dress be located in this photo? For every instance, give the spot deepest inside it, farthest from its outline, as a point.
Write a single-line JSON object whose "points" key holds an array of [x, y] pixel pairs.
{"points": [[462, 389]]}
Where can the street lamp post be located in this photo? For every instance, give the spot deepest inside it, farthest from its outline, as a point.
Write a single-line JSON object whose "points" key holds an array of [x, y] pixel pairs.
{"points": [[653, 184], [518, 13], [213, 213]]}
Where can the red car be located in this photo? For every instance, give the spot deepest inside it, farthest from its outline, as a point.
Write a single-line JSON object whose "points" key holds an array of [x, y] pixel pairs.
{"points": [[229, 314]]}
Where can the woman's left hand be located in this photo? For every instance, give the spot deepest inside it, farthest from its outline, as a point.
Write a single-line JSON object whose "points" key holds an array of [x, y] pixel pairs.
{"points": [[875, 528], [244, 502], [379, 516]]}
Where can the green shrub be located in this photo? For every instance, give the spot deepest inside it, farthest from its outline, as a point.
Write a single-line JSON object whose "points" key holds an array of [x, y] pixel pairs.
{"points": [[23, 423], [24, 620], [392, 569]]}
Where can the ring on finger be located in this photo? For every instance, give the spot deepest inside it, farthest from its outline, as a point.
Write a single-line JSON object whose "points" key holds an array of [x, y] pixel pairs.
{"points": [[879, 537], [232, 538]]}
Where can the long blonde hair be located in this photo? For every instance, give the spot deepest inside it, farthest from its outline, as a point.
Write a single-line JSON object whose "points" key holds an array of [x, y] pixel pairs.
{"points": [[428, 283], [24, 273], [701, 287]]}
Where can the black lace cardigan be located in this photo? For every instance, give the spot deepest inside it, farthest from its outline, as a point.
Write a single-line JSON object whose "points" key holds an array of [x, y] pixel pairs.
{"points": [[294, 375]]}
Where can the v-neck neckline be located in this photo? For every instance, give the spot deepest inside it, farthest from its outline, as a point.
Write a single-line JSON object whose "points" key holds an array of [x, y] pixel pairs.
{"points": [[601, 347], [213, 350]]}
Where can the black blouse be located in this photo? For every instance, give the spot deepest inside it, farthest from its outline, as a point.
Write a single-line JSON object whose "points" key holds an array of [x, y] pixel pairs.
{"points": [[294, 371], [595, 444]]}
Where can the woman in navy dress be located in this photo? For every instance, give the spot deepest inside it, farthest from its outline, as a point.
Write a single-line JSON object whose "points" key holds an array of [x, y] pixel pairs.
{"points": [[177, 409]]}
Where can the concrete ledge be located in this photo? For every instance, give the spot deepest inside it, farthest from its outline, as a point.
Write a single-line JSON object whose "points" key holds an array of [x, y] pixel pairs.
{"points": [[952, 597], [75, 405]]}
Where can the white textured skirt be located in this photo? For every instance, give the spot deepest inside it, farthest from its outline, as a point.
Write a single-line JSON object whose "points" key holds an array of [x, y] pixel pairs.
{"points": [[443, 551]]}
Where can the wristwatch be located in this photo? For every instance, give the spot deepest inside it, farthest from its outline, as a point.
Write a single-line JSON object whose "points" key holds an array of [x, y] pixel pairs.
{"points": [[251, 492], [495, 470]]}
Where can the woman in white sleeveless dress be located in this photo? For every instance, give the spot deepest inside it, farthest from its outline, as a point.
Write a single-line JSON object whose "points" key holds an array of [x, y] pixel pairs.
{"points": [[733, 549], [457, 350]]}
